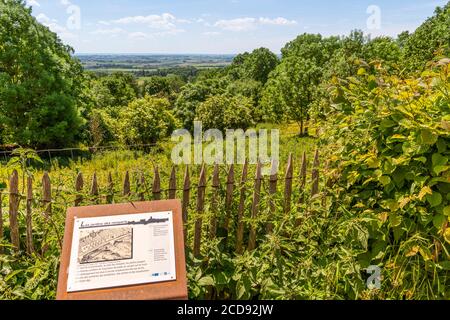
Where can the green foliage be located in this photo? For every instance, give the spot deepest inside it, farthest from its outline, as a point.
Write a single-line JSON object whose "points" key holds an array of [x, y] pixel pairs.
{"points": [[291, 88], [102, 128], [40, 82], [225, 112], [21, 159], [430, 37], [312, 47], [254, 66], [163, 87], [32, 278], [250, 89], [193, 94], [390, 138], [146, 121], [119, 89], [383, 49]]}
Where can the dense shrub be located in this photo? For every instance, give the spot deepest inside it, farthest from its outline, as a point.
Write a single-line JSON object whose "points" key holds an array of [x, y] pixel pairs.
{"points": [[193, 94], [146, 121], [390, 138], [224, 112]]}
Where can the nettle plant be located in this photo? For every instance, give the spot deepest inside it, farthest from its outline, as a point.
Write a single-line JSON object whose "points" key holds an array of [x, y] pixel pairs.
{"points": [[391, 142]]}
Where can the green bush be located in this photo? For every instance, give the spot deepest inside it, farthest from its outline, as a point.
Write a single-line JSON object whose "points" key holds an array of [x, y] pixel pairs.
{"points": [[390, 138], [193, 94], [146, 121], [223, 112]]}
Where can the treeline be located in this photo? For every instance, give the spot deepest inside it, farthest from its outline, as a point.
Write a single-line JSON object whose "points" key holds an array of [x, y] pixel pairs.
{"points": [[47, 100]]}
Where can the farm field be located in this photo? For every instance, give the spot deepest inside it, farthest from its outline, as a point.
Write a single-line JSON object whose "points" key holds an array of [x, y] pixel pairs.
{"points": [[149, 65]]}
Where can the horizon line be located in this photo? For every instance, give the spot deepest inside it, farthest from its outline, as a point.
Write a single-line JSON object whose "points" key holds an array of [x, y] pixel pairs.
{"points": [[153, 53]]}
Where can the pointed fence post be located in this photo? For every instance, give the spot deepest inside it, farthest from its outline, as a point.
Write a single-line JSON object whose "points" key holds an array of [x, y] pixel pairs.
{"points": [[200, 211], [255, 207], [315, 175], [47, 195], [30, 246], [94, 188], [272, 192], [229, 197], [156, 190], [79, 188], [186, 196], [110, 196], [303, 172], [127, 185], [327, 185], [215, 185], [14, 210], [173, 184], [240, 222], [141, 187], [288, 185]]}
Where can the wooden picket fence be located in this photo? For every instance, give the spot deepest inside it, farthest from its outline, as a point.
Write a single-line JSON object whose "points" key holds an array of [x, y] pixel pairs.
{"points": [[188, 193]]}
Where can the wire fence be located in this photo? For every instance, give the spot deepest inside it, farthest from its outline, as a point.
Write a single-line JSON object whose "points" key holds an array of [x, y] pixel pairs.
{"points": [[76, 153]]}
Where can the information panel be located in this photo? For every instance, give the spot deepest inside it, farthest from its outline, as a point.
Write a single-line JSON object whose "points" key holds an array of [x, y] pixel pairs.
{"points": [[122, 250]]}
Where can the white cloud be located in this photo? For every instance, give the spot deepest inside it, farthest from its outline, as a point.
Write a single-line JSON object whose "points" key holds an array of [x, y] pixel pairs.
{"points": [[42, 18], [53, 25], [169, 32], [277, 21], [240, 24], [211, 33], [33, 3], [166, 21], [112, 31], [165, 24], [139, 35], [245, 24], [65, 3], [187, 21]]}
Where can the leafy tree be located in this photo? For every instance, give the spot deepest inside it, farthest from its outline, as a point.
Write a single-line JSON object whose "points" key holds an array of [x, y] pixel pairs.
{"points": [[402, 38], [40, 82], [312, 47], [225, 112], [256, 65], [157, 86], [293, 85], [421, 46], [250, 89], [121, 89], [384, 49], [259, 64], [354, 43], [193, 94], [146, 121], [163, 87]]}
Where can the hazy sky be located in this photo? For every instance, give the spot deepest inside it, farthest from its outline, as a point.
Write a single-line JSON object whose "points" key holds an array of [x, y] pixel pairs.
{"points": [[226, 26]]}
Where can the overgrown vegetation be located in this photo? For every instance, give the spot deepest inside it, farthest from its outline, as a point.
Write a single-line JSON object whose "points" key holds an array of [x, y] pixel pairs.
{"points": [[378, 110]]}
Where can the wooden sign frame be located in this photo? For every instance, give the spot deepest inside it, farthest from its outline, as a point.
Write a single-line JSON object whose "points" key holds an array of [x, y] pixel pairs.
{"points": [[171, 290]]}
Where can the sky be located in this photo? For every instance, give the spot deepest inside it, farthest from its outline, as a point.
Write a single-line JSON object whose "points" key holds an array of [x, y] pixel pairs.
{"points": [[219, 27]]}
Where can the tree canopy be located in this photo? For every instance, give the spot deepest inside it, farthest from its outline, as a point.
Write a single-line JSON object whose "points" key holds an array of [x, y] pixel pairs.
{"points": [[40, 82]]}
